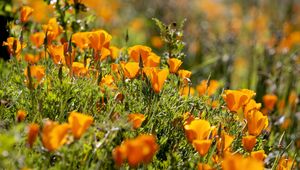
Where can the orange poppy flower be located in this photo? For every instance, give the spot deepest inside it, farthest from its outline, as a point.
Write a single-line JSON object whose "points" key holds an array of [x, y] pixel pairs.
{"points": [[158, 78], [259, 155], [237, 162], [285, 164], [33, 130], [249, 142], [139, 50], [184, 74], [32, 59], [211, 89], [136, 119], [52, 29], [202, 166], [57, 53], [26, 11], [14, 46], [186, 90], [54, 135], [136, 151], [251, 105], [198, 129], [157, 42], [79, 69], [114, 52], [21, 114], [100, 42], [202, 146], [236, 99], [81, 39], [174, 64], [188, 118], [37, 73], [130, 69], [79, 123], [37, 39], [223, 144], [256, 122], [270, 101], [152, 60]]}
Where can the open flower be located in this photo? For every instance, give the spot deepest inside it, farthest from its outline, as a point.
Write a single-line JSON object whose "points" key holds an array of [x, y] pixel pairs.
{"points": [[256, 122], [32, 59], [37, 74], [174, 64], [157, 78], [139, 50], [249, 142], [285, 164], [33, 130], [79, 123], [136, 119], [52, 29], [202, 146], [251, 105], [54, 135], [26, 11], [57, 54], [193, 131], [136, 151], [79, 69], [100, 42], [236, 99], [223, 144], [14, 46], [37, 39], [81, 39], [130, 69], [259, 155], [108, 81]]}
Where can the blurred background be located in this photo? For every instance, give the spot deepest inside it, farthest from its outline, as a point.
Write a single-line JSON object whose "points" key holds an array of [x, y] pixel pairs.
{"points": [[241, 43]]}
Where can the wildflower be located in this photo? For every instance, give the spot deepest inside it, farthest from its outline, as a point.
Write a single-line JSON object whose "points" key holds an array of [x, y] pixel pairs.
{"points": [[136, 151], [202, 146], [152, 60], [37, 73], [81, 39], [57, 53], [54, 135], [193, 131], [285, 164], [237, 162], [293, 99], [259, 155], [188, 118], [130, 69], [14, 46], [79, 69], [186, 90], [269, 101], [114, 52], [26, 11], [174, 64], [32, 59], [79, 123], [139, 50], [202, 88], [223, 144], [108, 81], [183, 74], [37, 39], [136, 119], [52, 29], [249, 142], [21, 114], [100, 42], [158, 78], [156, 42], [202, 166], [236, 99], [256, 122], [33, 130], [251, 105]]}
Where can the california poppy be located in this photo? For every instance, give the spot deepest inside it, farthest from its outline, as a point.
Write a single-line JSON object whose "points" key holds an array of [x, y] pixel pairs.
{"points": [[37, 73], [37, 39], [186, 90], [21, 114], [285, 164], [259, 155], [26, 11], [114, 52], [237, 162], [174, 64], [108, 81], [57, 53], [79, 69], [256, 122], [202, 166], [79, 123], [223, 144], [152, 60], [100, 42], [32, 59], [81, 39], [130, 69], [157, 78], [52, 29], [251, 105], [210, 89], [236, 99], [54, 135], [193, 131], [136, 119], [249, 142], [14, 46], [139, 50], [33, 130], [269, 101], [202, 146]]}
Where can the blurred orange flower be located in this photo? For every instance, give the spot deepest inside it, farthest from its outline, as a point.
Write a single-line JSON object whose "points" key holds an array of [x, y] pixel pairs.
{"points": [[54, 135], [285, 164], [37, 73], [237, 162], [202, 88], [174, 64], [21, 114], [26, 11], [32, 59], [259, 155], [186, 90], [270, 101], [33, 130], [202, 166], [249, 142], [157, 42], [79, 123], [136, 119], [136, 151]]}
